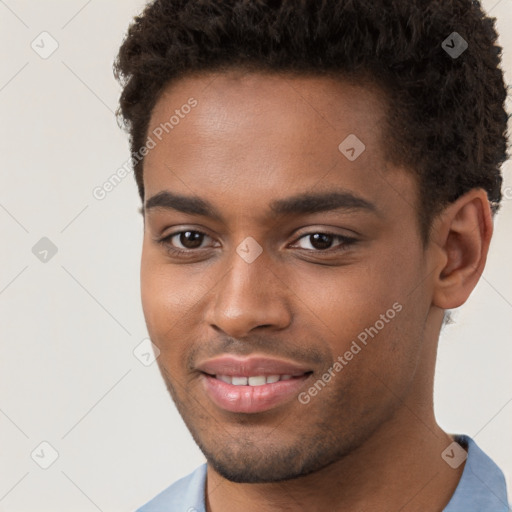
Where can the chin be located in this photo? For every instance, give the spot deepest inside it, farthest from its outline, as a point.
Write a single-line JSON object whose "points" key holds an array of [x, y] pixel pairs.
{"points": [[251, 474], [255, 467]]}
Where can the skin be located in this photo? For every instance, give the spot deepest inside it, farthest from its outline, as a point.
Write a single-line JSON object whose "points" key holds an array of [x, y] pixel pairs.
{"points": [[369, 439]]}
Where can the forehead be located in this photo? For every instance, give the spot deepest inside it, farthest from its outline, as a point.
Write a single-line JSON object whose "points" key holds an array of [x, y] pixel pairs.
{"points": [[249, 101], [252, 136]]}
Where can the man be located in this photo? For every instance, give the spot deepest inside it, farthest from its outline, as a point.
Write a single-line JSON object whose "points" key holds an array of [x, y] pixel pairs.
{"points": [[318, 182]]}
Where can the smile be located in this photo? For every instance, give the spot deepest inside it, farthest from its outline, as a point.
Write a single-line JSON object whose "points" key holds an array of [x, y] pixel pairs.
{"points": [[251, 385], [257, 380]]}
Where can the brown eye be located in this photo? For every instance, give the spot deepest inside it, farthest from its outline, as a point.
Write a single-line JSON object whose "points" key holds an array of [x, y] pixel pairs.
{"points": [[324, 241], [321, 240], [190, 239], [183, 242]]}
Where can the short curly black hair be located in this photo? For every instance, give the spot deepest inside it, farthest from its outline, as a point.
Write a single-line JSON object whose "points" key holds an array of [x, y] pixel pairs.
{"points": [[447, 123]]}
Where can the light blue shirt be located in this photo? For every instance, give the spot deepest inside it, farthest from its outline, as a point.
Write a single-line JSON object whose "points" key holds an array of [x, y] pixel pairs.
{"points": [[481, 488]]}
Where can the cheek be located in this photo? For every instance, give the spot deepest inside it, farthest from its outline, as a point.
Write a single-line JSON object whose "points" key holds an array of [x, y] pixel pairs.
{"points": [[163, 312], [170, 298], [347, 300], [161, 297], [394, 315], [371, 303]]}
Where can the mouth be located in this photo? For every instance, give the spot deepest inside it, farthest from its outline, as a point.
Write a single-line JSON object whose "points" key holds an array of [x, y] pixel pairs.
{"points": [[251, 385], [254, 380]]}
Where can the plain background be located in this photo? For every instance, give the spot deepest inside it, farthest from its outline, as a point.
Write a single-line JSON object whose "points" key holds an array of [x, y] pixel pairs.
{"points": [[68, 375]]}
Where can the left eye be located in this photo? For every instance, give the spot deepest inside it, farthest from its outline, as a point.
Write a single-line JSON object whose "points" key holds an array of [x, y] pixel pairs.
{"points": [[323, 241]]}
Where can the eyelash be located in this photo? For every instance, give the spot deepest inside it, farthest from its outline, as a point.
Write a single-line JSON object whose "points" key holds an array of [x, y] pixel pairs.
{"points": [[347, 242]]}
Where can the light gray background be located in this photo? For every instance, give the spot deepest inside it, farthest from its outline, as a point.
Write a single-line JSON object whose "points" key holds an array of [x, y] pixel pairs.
{"points": [[69, 326]]}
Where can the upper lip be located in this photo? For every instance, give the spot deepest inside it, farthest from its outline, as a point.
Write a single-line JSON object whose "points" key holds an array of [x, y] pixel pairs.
{"points": [[250, 366]]}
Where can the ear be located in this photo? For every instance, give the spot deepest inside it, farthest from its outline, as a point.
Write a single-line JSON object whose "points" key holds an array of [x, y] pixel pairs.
{"points": [[461, 235]]}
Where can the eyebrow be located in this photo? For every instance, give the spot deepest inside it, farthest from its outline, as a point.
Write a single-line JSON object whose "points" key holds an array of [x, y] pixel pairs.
{"points": [[301, 204]]}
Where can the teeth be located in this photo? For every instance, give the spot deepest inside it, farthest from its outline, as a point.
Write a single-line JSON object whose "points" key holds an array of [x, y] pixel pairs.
{"points": [[257, 380]]}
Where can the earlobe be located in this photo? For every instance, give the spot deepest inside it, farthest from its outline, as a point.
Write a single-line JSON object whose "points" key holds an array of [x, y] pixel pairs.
{"points": [[462, 234]]}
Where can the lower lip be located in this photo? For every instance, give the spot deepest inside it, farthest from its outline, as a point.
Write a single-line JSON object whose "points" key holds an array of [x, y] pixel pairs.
{"points": [[251, 399]]}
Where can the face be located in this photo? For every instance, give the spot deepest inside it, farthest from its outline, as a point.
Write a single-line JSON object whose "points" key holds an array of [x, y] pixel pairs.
{"points": [[283, 278]]}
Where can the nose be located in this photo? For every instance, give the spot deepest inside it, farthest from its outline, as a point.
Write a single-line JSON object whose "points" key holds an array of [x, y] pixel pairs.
{"points": [[248, 296]]}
